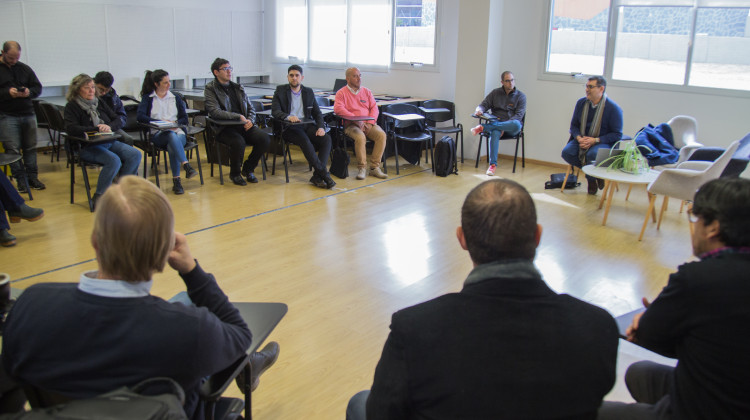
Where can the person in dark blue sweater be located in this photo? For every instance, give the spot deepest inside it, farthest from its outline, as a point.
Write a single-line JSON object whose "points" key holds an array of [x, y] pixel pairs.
{"points": [[107, 331]]}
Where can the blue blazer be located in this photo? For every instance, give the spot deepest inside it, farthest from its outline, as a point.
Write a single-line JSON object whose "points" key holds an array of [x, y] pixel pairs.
{"points": [[611, 128]]}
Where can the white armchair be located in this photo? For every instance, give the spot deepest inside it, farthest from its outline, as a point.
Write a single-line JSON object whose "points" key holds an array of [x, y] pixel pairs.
{"points": [[682, 182]]}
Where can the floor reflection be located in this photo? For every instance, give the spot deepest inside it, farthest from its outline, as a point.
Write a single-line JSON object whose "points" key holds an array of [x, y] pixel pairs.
{"points": [[406, 243]]}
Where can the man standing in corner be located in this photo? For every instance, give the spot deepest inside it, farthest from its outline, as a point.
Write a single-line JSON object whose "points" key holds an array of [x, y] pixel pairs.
{"points": [[508, 104], [105, 92], [353, 100], [596, 123], [18, 86], [293, 102], [700, 318], [506, 346], [226, 100]]}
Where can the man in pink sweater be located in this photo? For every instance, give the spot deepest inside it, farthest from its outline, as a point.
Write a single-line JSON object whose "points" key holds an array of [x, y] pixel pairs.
{"points": [[353, 100]]}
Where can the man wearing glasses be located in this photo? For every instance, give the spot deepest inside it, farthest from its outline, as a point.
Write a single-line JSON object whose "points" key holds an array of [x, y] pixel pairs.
{"points": [[226, 100], [105, 92], [700, 318], [596, 123], [506, 103]]}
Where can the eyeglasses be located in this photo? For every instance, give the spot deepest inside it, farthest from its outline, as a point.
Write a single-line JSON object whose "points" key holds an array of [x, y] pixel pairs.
{"points": [[591, 86], [225, 69], [508, 80], [692, 217]]}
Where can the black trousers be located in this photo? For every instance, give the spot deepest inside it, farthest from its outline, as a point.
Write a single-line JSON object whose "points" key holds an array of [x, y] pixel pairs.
{"points": [[648, 383], [305, 138], [237, 138]]}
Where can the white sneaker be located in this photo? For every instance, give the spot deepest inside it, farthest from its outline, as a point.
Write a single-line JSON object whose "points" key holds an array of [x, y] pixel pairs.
{"points": [[491, 170], [377, 173], [361, 173]]}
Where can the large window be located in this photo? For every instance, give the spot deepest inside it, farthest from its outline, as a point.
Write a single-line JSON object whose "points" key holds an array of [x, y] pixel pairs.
{"points": [[371, 34], [702, 43]]}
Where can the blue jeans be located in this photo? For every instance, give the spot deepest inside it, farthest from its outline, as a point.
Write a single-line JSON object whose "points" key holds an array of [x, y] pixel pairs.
{"points": [[510, 127], [9, 200], [116, 158], [175, 144], [18, 134], [570, 152], [356, 410]]}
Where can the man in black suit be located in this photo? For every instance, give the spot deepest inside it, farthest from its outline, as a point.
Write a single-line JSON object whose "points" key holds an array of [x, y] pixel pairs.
{"points": [[293, 103], [506, 346], [700, 318]]}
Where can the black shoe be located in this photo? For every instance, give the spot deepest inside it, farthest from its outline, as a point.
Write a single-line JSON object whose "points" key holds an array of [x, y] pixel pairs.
{"points": [[593, 187], [26, 213], [260, 361], [189, 171], [21, 187], [600, 183], [317, 181], [6, 239], [237, 179], [177, 186], [36, 184], [251, 178], [328, 181]]}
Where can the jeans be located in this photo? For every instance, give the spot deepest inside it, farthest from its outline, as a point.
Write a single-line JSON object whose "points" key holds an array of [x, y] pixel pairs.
{"points": [[236, 138], [9, 200], [18, 134], [510, 127], [376, 134], [570, 152], [357, 407], [116, 158], [305, 138], [175, 145]]}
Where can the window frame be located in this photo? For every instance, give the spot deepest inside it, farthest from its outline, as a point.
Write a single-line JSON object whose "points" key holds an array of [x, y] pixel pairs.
{"points": [[386, 67], [609, 52]]}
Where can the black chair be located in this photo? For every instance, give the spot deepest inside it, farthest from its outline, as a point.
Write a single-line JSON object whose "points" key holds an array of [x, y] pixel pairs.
{"points": [[433, 118], [55, 126], [41, 122], [218, 152], [6, 159], [518, 137], [73, 146], [151, 149], [412, 131], [737, 163]]}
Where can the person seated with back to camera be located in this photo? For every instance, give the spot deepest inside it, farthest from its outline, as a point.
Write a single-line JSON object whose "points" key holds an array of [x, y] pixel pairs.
{"points": [[85, 113], [158, 103]]}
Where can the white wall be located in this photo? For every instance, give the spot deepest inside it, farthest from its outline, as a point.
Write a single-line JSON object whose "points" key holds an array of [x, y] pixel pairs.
{"points": [[62, 38]]}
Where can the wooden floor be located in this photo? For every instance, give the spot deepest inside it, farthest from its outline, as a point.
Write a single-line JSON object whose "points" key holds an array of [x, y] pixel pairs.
{"points": [[345, 259]]}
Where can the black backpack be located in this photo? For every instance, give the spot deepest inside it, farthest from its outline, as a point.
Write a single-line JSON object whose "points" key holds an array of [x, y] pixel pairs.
{"points": [[445, 157]]}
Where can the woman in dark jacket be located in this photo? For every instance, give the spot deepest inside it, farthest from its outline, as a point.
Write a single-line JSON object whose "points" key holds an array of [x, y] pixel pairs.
{"points": [[85, 114], [158, 103]]}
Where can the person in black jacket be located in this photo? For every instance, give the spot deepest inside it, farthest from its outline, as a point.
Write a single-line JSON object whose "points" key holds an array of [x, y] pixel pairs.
{"points": [[506, 346], [293, 103], [700, 318], [105, 92], [226, 100], [85, 114]]}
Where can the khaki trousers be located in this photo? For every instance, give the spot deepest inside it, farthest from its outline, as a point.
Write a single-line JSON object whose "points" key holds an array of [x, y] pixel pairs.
{"points": [[374, 133]]}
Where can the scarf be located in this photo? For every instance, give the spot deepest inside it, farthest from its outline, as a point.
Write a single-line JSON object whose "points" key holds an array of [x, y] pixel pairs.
{"points": [[596, 123], [90, 107], [504, 269]]}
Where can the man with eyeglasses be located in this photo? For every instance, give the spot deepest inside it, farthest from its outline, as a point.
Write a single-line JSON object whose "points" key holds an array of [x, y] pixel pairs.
{"points": [[506, 103], [596, 123], [701, 318], [105, 92], [226, 100]]}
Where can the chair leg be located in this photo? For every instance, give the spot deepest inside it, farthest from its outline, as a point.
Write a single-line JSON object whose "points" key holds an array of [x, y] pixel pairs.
{"points": [[87, 186], [395, 148], [218, 157], [651, 200], [663, 209], [72, 179], [515, 156], [523, 150], [462, 142], [285, 150], [565, 180], [198, 160], [479, 150], [432, 154], [155, 166]]}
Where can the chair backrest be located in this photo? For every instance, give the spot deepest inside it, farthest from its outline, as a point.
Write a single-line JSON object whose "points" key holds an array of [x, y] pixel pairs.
{"points": [[54, 116], [322, 100], [436, 117], [338, 84], [684, 130], [400, 109], [715, 169]]}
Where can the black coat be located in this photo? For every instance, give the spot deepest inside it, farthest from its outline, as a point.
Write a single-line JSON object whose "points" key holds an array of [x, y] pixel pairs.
{"points": [[282, 104]]}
